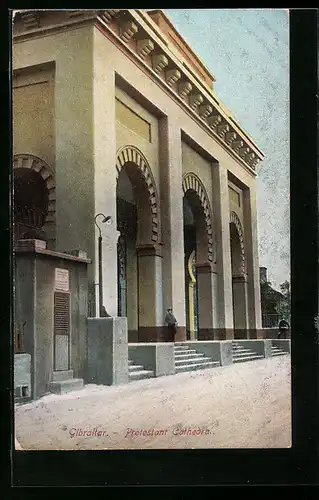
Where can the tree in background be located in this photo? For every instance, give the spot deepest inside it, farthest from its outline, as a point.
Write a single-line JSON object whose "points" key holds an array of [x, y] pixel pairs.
{"points": [[284, 306]]}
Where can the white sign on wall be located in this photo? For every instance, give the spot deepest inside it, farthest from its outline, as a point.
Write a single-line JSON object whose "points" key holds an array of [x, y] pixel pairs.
{"points": [[61, 279]]}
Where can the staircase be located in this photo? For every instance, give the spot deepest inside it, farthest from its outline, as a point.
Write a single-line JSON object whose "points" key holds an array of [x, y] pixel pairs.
{"points": [[138, 372], [187, 359], [241, 353], [277, 351], [63, 382]]}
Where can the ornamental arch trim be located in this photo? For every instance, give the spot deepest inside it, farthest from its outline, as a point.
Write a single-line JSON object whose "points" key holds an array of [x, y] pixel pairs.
{"points": [[35, 163], [236, 221], [133, 155], [192, 182]]}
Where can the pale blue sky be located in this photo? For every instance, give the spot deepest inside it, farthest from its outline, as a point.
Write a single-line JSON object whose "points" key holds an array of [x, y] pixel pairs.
{"points": [[247, 50]]}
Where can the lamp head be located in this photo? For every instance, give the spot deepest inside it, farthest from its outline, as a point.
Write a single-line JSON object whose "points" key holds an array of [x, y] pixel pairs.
{"points": [[107, 220]]}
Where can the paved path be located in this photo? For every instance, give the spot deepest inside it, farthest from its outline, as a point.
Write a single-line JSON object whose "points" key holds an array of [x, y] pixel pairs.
{"points": [[244, 405]]}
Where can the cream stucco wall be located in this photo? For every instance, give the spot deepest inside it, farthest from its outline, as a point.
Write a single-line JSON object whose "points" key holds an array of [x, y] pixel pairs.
{"points": [[128, 136], [33, 114], [194, 162]]}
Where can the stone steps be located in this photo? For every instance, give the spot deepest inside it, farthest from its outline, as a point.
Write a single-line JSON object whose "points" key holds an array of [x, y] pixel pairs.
{"points": [[138, 372], [242, 354], [252, 357], [187, 359], [198, 366], [64, 386], [277, 351]]}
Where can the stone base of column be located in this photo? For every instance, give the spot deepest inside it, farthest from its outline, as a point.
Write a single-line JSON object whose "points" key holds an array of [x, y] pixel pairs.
{"points": [[254, 333], [215, 334], [241, 333], [132, 336], [160, 334]]}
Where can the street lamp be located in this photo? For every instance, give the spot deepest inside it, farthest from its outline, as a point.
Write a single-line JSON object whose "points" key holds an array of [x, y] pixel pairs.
{"points": [[105, 219]]}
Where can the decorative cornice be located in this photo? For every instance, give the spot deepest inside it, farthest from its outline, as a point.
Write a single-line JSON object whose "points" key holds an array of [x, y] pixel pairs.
{"points": [[30, 20], [172, 76], [144, 47], [108, 15], [184, 88], [205, 111], [123, 25], [159, 62], [195, 100], [127, 30]]}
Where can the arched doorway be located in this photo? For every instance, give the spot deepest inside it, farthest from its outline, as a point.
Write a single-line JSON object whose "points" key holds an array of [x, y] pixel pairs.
{"points": [[30, 204], [139, 259], [239, 278], [200, 278], [33, 199]]}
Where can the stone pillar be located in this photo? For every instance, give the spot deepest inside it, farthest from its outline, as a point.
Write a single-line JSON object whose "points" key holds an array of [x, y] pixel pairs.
{"points": [[150, 294], [74, 137], [207, 301], [223, 256], [240, 306], [252, 262], [104, 153], [131, 291], [172, 221]]}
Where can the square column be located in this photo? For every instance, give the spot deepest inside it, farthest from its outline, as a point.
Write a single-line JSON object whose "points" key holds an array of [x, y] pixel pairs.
{"points": [[252, 262], [223, 256], [207, 302], [104, 151], [240, 305], [172, 221], [150, 295]]}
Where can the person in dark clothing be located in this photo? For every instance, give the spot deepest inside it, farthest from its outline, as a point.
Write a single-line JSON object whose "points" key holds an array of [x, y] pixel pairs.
{"points": [[171, 322], [283, 329]]}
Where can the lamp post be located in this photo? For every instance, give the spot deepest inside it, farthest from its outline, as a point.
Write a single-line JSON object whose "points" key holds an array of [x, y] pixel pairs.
{"points": [[105, 219]]}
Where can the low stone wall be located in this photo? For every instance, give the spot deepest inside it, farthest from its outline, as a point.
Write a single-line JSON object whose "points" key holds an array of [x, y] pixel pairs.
{"points": [[155, 356], [22, 376], [217, 350], [262, 347], [107, 361]]}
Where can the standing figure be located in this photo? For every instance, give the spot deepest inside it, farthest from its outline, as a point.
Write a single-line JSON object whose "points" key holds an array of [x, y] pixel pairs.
{"points": [[283, 329], [171, 322]]}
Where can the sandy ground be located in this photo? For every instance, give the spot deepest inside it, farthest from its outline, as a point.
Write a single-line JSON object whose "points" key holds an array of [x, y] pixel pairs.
{"points": [[246, 405]]}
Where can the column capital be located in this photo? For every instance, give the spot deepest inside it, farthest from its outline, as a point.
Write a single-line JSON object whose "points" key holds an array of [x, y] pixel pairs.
{"points": [[206, 267], [149, 250], [240, 278]]}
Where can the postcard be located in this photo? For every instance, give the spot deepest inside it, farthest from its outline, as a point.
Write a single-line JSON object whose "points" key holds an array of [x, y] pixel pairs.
{"points": [[151, 229]]}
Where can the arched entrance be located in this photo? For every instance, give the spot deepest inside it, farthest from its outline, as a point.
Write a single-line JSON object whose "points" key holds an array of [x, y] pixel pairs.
{"points": [[139, 258], [34, 199], [239, 278], [200, 278]]}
